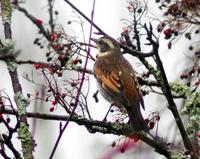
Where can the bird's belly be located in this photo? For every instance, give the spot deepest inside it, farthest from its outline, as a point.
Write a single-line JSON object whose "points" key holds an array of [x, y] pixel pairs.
{"points": [[108, 97]]}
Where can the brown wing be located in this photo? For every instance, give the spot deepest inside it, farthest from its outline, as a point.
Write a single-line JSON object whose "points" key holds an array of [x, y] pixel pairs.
{"points": [[118, 80], [130, 86], [107, 76], [134, 87]]}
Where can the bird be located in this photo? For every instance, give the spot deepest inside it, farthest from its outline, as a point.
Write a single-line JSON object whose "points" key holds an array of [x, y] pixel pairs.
{"points": [[117, 81]]}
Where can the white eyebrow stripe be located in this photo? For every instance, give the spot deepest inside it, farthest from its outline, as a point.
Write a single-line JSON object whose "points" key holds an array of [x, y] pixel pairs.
{"points": [[103, 54], [110, 43]]}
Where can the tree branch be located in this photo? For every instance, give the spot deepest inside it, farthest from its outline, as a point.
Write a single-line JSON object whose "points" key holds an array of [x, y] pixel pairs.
{"points": [[102, 127], [162, 79], [23, 132]]}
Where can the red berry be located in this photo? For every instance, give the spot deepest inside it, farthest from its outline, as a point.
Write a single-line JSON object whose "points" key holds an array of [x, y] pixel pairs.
{"points": [[57, 47], [54, 102], [63, 95], [75, 61], [136, 138], [38, 66], [38, 21], [184, 76], [62, 57], [52, 70], [167, 31], [122, 149], [15, 2], [54, 37], [59, 74], [51, 109], [157, 117], [151, 125], [125, 30]]}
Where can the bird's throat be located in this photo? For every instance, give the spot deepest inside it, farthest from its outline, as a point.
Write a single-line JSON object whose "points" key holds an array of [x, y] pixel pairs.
{"points": [[103, 54]]}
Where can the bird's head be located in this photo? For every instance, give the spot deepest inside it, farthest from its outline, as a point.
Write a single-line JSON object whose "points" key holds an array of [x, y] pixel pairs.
{"points": [[106, 45]]}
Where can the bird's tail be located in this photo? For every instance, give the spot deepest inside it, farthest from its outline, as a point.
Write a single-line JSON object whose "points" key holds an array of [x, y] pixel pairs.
{"points": [[136, 119]]}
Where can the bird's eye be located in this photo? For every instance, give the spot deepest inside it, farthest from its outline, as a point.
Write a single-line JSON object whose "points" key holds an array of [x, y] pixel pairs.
{"points": [[101, 42], [103, 46]]}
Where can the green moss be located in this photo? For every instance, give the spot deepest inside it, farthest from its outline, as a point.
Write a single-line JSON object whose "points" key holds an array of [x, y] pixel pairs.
{"points": [[192, 104], [155, 72], [180, 89], [22, 103], [178, 155], [159, 77], [8, 48], [116, 126], [9, 51], [150, 67], [191, 108], [26, 140], [12, 66], [23, 130], [6, 11]]}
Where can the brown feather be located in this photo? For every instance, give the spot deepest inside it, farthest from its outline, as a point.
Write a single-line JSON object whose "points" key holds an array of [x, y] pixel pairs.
{"points": [[118, 84]]}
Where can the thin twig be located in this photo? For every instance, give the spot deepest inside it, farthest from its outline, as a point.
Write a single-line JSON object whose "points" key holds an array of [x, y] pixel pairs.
{"points": [[79, 89], [101, 32], [34, 20], [51, 20]]}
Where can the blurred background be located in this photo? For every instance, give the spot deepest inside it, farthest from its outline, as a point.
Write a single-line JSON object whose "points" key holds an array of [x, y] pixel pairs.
{"points": [[77, 142]]}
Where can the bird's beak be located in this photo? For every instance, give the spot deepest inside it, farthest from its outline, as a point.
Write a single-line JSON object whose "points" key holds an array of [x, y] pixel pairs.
{"points": [[94, 40]]}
